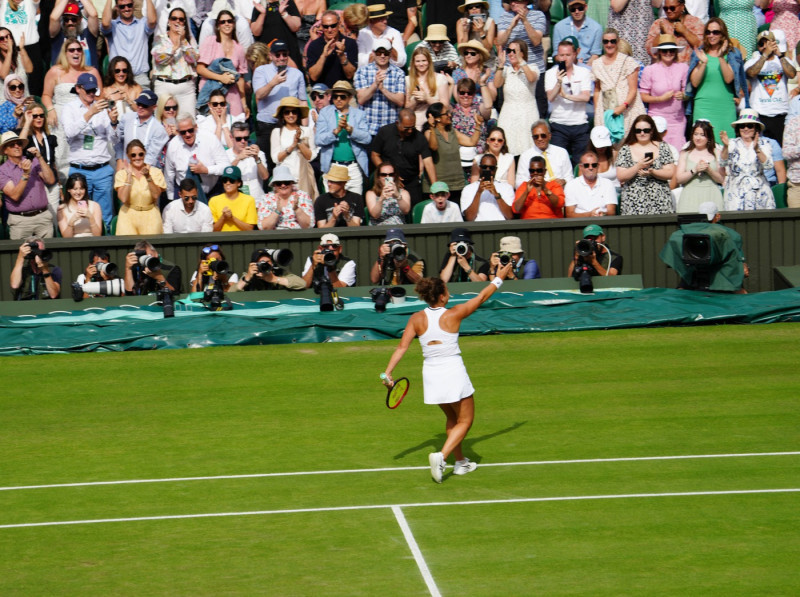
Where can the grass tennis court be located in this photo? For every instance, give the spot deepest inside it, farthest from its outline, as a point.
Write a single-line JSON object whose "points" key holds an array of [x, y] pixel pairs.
{"points": [[630, 462]]}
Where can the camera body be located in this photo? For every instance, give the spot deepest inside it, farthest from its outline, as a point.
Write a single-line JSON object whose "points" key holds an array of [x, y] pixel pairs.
{"points": [[43, 254], [443, 66], [399, 252], [329, 257], [265, 267], [504, 257], [146, 261], [480, 16], [216, 266], [462, 248], [381, 297]]}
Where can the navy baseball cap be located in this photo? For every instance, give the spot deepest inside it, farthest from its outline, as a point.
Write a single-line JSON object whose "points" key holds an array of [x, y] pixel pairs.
{"points": [[87, 81], [147, 98], [279, 46], [320, 88], [395, 234]]}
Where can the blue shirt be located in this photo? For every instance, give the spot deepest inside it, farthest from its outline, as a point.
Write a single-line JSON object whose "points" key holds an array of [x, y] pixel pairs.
{"points": [[294, 86], [152, 135], [777, 154], [590, 37], [378, 108], [537, 20], [130, 41]]}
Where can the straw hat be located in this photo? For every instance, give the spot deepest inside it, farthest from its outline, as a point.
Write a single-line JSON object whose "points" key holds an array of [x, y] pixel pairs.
{"points": [[344, 86], [291, 102], [437, 33], [377, 11], [475, 45], [666, 42], [748, 116], [7, 138], [470, 3], [337, 173]]}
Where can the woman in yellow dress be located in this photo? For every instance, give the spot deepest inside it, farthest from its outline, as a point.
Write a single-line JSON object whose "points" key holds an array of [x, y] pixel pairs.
{"points": [[138, 187]]}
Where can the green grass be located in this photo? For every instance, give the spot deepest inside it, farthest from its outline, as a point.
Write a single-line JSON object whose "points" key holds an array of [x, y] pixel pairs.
{"points": [[285, 409]]}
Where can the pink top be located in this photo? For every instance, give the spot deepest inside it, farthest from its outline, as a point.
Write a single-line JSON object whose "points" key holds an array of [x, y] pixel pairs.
{"points": [[657, 79], [210, 50]]}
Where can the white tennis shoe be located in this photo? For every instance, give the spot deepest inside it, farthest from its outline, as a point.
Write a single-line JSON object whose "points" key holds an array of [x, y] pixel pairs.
{"points": [[462, 467], [438, 465]]}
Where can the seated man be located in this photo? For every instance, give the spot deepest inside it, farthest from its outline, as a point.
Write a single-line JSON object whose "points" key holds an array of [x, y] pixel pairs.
{"points": [[441, 209], [34, 277], [461, 264], [338, 207], [487, 199], [602, 261], [557, 161], [511, 250], [589, 195], [146, 273], [395, 263], [328, 263], [188, 214], [537, 199], [263, 274]]}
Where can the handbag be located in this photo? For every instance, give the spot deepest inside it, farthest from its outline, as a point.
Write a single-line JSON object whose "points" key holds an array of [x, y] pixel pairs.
{"points": [[610, 99], [305, 178]]}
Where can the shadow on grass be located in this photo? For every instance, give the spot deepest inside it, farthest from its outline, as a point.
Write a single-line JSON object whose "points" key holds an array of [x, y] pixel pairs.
{"points": [[468, 447]]}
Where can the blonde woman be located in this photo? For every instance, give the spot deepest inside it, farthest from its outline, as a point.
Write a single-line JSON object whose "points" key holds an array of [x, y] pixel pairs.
{"points": [[424, 86], [138, 187]]}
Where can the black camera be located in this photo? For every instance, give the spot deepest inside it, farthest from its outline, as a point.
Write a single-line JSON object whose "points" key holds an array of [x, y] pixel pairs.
{"points": [[443, 66], [582, 273], [329, 257], [218, 266], [328, 297], [586, 247], [504, 257], [214, 299], [43, 254], [399, 252], [147, 262], [381, 297], [264, 267], [164, 296]]}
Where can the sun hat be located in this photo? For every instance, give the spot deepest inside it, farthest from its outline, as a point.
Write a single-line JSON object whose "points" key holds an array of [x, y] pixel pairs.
{"points": [[377, 11], [291, 102], [8, 137], [439, 187], [666, 42], [470, 3], [475, 45], [282, 174], [512, 244], [337, 173], [592, 230], [345, 86], [748, 116], [437, 33], [601, 137]]}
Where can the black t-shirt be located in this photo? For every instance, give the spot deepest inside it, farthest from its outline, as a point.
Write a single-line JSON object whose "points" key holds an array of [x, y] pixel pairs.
{"points": [[276, 28], [325, 203], [444, 12], [33, 286], [399, 8], [614, 261], [479, 264], [332, 71], [148, 285], [403, 154]]}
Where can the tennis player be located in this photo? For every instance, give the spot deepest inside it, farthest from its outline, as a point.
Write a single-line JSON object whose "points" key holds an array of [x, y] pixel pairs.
{"points": [[444, 377]]}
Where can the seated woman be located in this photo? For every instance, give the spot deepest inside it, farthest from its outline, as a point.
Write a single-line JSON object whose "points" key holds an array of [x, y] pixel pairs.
{"points": [[219, 121], [286, 207], [77, 214], [139, 187], [388, 202], [205, 271]]}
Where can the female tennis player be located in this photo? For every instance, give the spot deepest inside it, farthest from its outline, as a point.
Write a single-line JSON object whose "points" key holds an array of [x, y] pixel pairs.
{"points": [[444, 377]]}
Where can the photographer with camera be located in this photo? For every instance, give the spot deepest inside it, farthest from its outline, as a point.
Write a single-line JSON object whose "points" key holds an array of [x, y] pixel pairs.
{"points": [[328, 263], [213, 267], [266, 272], [461, 264], [145, 273], [511, 252], [488, 199], [592, 255], [34, 277], [537, 199], [99, 269], [396, 264]]}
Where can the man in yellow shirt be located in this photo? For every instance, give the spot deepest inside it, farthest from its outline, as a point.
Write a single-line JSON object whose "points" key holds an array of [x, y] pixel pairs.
{"points": [[233, 210]]}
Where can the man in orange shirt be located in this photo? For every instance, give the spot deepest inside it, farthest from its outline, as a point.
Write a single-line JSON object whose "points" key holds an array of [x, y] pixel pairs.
{"points": [[537, 199]]}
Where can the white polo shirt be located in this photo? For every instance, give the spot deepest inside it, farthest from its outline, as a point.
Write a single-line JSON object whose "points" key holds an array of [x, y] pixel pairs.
{"points": [[585, 198], [564, 111]]}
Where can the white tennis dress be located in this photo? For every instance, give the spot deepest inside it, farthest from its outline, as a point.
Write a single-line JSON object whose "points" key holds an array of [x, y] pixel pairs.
{"points": [[444, 377]]}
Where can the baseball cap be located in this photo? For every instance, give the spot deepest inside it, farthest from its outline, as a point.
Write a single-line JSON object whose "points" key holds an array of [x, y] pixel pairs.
{"points": [[320, 88], [439, 187], [232, 172], [709, 208], [279, 46], [87, 81], [329, 238], [601, 137], [461, 234], [147, 98], [381, 43], [592, 230], [72, 9], [394, 234]]}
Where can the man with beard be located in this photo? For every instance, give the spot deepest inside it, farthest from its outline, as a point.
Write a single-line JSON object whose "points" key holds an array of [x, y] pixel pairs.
{"points": [[66, 21]]}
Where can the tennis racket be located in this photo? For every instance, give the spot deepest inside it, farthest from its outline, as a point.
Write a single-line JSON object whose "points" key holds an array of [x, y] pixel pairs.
{"points": [[397, 392]]}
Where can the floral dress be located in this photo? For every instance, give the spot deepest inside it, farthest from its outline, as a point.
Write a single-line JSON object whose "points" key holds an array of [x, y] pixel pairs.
{"points": [[746, 187], [633, 24], [615, 76], [645, 195], [786, 19], [391, 215], [464, 123], [287, 219]]}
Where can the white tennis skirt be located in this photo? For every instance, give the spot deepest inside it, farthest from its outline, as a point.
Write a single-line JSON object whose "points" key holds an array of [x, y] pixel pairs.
{"points": [[445, 380]]}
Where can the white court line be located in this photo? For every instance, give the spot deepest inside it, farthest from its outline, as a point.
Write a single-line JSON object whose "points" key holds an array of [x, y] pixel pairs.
{"points": [[411, 505], [388, 469], [418, 557]]}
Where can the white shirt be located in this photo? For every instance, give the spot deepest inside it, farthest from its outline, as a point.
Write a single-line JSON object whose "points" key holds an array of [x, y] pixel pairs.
{"points": [[431, 215], [176, 220], [347, 275], [164, 7], [585, 198], [564, 111], [366, 40], [209, 152], [88, 141], [769, 95], [250, 177], [488, 210], [557, 157], [243, 33]]}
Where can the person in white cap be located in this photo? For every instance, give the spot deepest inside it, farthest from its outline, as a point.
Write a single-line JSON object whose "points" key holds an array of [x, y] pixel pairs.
{"points": [[521, 268], [328, 262], [600, 143]]}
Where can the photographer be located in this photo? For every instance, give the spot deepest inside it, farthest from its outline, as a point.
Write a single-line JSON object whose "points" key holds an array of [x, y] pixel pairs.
{"points": [[487, 199], [511, 251], [263, 274], [600, 260], [34, 277], [396, 264], [327, 262], [145, 273], [212, 266], [100, 269], [461, 264]]}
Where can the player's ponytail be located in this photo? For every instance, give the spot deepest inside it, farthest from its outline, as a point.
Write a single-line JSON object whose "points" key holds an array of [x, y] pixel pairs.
{"points": [[430, 290]]}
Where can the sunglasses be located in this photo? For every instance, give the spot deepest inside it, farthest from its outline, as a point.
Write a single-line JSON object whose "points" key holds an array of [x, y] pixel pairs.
{"points": [[761, 42], [208, 250], [610, 42], [92, 91], [577, 7], [240, 138], [17, 87], [125, 6], [67, 19], [747, 126], [334, 26], [17, 143], [331, 246], [141, 105], [189, 197], [511, 51], [177, 19], [714, 32], [37, 115], [465, 93], [120, 70], [294, 111], [218, 104], [186, 132], [340, 96], [671, 8], [470, 53], [316, 96], [536, 170], [496, 140], [281, 54], [381, 52], [385, 174], [229, 181], [644, 131], [282, 183], [136, 155], [225, 22], [74, 50], [540, 136], [590, 164], [171, 108], [669, 51]]}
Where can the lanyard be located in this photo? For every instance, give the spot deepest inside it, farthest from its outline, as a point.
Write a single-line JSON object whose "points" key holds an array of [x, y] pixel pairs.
{"points": [[46, 147]]}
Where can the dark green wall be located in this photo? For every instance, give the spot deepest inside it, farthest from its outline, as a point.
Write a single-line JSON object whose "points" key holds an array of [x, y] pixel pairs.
{"points": [[771, 239]]}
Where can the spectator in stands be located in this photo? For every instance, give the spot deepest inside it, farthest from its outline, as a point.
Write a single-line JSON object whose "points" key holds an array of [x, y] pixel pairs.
{"points": [[461, 264], [589, 195], [292, 144], [440, 210], [424, 86], [616, 77], [557, 162], [261, 274], [144, 126], [396, 263], [522, 269], [233, 210], [473, 59], [343, 137], [194, 152], [387, 201], [187, 214], [403, 18], [175, 57], [14, 104], [536, 199], [445, 143], [444, 54], [14, 60], [129, 36], [119, 86], [221, 64], [91, 126], [586, 30], [380, 88], [604, 261], [66, 21], [517, 79], [662, 86], [468, 105], [791, 151], [476, 24], [378, 34], [340, 273], [138, 187], [354, 18], [338, 207], [698, 170], [767, 71], [35, 130], [320, 96], [219, 120], [746, 157], [269, 24], [687, 31], [250, 160], [332, 57], [33, 277], [600, 143], [497, 146], [20, 18], [285, 207], [78, 215], [205, 273], [487, 199], [141, 280]]}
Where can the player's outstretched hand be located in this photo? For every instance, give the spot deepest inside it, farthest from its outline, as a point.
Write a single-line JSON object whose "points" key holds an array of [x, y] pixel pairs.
{"points": [[504, 270]]}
